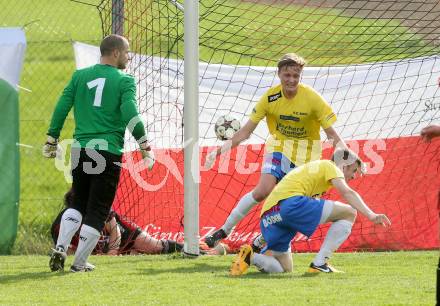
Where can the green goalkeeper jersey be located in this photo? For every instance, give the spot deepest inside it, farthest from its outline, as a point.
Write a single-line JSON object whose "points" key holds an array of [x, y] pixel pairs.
{"points": [[103, 99]]}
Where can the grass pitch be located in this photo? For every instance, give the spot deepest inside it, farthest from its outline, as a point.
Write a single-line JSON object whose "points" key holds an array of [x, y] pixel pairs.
{"points": [[388, 278]]}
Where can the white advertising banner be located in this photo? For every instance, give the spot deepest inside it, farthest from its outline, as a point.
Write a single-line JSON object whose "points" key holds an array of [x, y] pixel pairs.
{"points": [[12, 48], [372, 101]]}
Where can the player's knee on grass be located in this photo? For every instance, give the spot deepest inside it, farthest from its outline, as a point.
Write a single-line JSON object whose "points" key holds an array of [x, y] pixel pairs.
{"points": [[285, 259]]}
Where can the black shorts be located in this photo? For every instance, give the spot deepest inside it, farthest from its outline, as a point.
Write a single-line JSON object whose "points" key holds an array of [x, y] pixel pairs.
{"points": [[95, 180]]}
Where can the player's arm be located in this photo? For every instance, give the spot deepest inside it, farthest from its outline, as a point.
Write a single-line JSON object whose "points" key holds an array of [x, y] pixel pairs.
{"points": [[112, 228], [242, 134], [129, 111], [64, 104], [337, 141], [355, 200], [132, 119]]}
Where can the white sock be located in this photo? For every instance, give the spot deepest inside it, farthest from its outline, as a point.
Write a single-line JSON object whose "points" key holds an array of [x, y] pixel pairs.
{"points": [[239, 212], [336, 235], [70, 223], [267, 264], [88, 238]]}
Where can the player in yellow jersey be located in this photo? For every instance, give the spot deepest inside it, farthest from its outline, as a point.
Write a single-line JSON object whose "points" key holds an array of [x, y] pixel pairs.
{"points": [[294, 206], [294, 112]]}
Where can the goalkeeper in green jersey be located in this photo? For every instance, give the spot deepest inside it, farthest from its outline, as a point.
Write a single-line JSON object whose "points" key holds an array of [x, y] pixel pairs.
{"points": [[104, 105]]}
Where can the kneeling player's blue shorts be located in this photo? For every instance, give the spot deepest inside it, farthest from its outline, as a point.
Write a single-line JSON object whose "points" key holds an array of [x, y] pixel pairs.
{"points": [[295, 214], [276, 164]]}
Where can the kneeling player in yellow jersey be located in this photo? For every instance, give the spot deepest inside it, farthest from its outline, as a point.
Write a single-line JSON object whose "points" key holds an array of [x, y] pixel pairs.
{"points": [[293, 207]]}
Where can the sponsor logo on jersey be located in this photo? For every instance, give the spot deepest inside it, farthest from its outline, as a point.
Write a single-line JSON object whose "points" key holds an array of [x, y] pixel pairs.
{"points": [[82, 238], [291, 118], [274, 97]]}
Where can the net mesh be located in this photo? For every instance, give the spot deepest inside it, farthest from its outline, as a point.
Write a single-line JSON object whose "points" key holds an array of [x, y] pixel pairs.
{"points": [[376, 62]]}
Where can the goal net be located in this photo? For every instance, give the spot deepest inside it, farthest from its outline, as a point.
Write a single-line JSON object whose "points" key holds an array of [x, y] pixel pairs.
{"points": [[377, 64]]}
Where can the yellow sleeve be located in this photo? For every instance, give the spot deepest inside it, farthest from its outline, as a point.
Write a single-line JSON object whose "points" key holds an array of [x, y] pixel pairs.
{"points": [[324, 112], [332, 171], [260, 110]]}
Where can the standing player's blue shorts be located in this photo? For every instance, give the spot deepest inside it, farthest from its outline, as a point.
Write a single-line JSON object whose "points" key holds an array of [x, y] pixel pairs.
{"points": [[295, 214], [276, 164]]}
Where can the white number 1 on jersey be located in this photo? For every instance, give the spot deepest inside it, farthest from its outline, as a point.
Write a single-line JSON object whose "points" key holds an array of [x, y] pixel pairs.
{"points": [[99, 84]]}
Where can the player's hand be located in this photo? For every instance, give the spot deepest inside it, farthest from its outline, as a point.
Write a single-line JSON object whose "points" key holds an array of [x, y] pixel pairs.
{"points": [[430, 132], [380, 219], [210, 159], [51, 148], [147, 155]]}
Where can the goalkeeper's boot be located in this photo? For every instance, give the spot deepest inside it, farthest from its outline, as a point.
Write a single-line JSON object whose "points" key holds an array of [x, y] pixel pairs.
{"points": [[214, 239], [242, 261], [258, 244], [325, 268], [88, 267], [57, 259]]}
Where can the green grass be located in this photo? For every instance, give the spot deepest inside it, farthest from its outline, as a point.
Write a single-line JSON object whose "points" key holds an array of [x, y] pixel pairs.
{"points": [[254, 34], [399, 278], [233, 32]]}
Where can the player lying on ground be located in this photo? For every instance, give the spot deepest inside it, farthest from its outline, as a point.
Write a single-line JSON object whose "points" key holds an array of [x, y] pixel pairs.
{"points": [[119, 236], [293, 207]]}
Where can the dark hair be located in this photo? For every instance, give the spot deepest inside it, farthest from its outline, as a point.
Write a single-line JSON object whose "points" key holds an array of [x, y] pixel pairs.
{"points": [[112, 42]]}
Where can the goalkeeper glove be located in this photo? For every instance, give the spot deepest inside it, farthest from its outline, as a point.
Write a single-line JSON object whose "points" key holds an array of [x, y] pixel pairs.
{"points": [[147, 154], [51, 148]]}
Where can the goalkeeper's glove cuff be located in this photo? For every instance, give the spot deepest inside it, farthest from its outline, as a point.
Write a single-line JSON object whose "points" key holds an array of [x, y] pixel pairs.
{"points": [[51, 140], [145, 146]]}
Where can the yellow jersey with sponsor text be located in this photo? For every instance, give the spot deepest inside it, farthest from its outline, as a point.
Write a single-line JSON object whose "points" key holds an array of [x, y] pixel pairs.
{"points": [[312, 179], [294, 124]]}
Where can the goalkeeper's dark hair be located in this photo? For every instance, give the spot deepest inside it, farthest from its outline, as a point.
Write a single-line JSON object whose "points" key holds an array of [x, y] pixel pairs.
{"points": [[112, 42], [346, 157]]}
